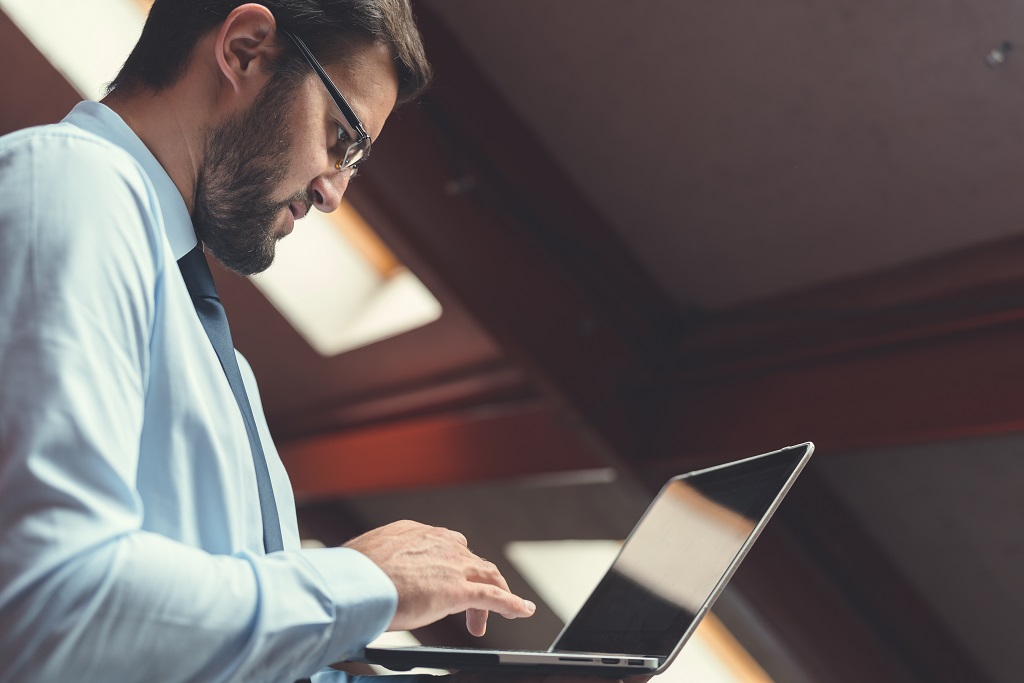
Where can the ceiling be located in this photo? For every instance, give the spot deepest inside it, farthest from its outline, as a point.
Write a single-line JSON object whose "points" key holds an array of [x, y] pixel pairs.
{"points": [[743, 149]]}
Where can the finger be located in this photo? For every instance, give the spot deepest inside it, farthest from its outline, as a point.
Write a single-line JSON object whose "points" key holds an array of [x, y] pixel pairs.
{"points": [[483, 596], [476, 621], [487, 572]]}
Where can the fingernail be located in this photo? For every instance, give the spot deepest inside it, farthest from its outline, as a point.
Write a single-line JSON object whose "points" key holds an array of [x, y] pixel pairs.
{"points": [[530, 606]]}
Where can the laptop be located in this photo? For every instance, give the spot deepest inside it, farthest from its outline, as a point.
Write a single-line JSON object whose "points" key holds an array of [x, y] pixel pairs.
{"points": [[670, 570]]}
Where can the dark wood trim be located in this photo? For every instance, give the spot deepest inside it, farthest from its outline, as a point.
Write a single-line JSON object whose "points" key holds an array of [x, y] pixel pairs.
{"points": [[517, 293], [926, 352], [500, 442], [491, 384], [960, 385], [500, 162], [967, 290], [467, 189]]}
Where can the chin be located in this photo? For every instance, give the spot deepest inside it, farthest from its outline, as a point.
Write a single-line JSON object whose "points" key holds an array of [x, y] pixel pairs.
{"points": [[287, 225]]}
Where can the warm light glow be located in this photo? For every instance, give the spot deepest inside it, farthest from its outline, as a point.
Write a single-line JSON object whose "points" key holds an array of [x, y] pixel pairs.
{"points": [[336, 298], [564, 573], [729, 652], [86, 40], [365, 241]]}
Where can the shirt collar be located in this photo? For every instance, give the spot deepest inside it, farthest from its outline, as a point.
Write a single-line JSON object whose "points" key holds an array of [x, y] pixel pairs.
{"points": [[103, 121]]}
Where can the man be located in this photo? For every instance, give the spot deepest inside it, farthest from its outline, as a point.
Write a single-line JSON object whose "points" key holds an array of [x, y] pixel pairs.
{"points": [[147, 524]]}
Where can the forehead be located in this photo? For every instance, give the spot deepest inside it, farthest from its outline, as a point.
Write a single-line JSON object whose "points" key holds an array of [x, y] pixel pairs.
{"points": [[369, 82]]}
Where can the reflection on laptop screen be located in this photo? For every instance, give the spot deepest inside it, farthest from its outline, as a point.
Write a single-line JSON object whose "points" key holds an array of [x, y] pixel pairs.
{"points": [[676, 556]]}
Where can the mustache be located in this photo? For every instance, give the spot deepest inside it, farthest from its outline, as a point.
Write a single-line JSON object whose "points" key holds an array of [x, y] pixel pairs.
{"points": [[303, 197]]}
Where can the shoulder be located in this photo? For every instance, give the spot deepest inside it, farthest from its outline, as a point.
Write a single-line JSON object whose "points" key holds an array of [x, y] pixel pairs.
{"points": [[64, 152], [77, 211], [61, 186]]}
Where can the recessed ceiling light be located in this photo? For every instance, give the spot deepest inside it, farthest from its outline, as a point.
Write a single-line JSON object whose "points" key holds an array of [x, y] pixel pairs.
{"points": [[86, 41]]}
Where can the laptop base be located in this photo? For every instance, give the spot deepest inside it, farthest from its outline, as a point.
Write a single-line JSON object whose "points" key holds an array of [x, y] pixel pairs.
{"points": [[527, 662]]}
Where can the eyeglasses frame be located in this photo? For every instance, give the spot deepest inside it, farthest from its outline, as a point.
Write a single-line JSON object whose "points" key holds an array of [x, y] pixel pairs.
{"points": [[362, 137]]}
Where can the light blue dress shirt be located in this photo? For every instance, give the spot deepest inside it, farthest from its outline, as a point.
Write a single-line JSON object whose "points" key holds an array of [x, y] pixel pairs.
{"points": [[130, 534]]}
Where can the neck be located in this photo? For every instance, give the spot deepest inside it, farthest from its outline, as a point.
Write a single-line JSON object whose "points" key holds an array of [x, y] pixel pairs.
{"points": [[167, 124]]}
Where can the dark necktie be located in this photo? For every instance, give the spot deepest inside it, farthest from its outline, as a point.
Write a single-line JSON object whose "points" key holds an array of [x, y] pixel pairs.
{"points": [[199, 281]]}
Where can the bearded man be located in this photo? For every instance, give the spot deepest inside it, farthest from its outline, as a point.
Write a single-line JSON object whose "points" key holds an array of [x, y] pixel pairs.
{"points": [[148, 527]]}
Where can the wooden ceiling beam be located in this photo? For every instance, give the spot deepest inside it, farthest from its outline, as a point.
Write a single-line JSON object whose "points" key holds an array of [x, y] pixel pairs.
{"points": [[511, 286], [970, 289], [495, 383], [503, 442], [962, 385], [501, 161], [920, 353], [465, 187]]}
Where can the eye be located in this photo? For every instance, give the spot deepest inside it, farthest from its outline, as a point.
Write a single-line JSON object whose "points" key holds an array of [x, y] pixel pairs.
{"points": [[342, 135]]}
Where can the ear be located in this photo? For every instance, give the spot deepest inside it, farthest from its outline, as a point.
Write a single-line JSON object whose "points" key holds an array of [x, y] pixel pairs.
{"points": [[245, 45]]}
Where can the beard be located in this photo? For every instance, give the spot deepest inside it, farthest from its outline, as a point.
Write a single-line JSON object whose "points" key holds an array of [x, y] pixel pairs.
{"points": [[246, 162]]}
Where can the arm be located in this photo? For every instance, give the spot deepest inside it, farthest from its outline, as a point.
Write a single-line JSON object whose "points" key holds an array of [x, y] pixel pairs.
{"points": [[85, 593]]}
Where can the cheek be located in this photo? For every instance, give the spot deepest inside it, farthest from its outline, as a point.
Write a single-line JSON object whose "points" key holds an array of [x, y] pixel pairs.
{"points": [[308, 148], [306, 163]]}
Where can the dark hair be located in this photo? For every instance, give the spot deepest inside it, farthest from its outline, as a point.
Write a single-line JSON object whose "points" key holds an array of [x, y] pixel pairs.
{"points": [[331, 28]]}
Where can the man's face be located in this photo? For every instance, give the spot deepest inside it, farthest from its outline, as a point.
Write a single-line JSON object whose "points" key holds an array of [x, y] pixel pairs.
{"points": [[267, 166]]}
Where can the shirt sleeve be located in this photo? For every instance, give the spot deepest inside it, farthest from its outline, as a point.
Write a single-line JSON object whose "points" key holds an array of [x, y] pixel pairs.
{"points": [[85, 593]]}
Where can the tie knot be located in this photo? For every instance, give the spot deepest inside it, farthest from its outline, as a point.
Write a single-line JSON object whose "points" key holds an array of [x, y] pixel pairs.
{"points": [[195, 270]]}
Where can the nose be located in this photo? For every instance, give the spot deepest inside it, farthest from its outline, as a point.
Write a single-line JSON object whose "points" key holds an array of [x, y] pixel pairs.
{"points": [[328, 189]]}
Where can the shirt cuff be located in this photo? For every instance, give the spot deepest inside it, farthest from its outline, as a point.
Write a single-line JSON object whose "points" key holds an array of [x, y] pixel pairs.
{"points": [[364, 598]]}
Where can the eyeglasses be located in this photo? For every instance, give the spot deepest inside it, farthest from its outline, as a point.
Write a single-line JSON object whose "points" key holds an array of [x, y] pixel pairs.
{"points": [[359, 149]]}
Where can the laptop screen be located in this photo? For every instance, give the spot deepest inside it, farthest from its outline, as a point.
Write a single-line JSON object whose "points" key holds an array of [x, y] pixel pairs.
{"points": [[676, 556]]}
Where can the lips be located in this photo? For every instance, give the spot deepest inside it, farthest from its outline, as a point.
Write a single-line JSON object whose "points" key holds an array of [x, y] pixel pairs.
{"points": [[298, 210]]}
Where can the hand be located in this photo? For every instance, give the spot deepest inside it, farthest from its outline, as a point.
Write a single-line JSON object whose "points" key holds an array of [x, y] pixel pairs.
{"points": [[436, 575]]}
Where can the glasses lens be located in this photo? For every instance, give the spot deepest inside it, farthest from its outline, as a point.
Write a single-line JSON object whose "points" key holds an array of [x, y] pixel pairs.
{"points": [[357, 151]]}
